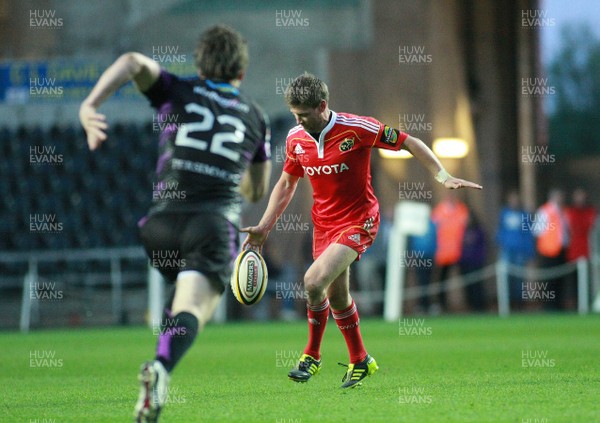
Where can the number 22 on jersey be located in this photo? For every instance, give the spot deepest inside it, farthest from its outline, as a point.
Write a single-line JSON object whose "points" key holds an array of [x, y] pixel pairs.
{"points": [[207, 125]]}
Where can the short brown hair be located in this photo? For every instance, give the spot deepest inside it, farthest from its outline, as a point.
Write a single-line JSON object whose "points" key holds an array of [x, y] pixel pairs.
{"points": [[221, 54], [306, 90]]}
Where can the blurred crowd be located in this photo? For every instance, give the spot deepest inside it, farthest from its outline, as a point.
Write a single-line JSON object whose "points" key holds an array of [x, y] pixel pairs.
{"points": [[555, 234], [547, 238]]}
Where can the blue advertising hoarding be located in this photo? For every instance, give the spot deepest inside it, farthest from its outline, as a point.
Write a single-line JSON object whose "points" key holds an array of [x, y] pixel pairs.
{"points": [[23, 82]]}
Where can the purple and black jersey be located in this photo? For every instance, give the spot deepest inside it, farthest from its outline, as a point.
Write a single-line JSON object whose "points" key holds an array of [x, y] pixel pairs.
{"points": [[210, 134]]}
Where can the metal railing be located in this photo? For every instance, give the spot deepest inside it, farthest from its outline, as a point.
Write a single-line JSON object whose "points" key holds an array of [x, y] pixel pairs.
{"points": [[500, 271], [115, 276], [588, 276]]}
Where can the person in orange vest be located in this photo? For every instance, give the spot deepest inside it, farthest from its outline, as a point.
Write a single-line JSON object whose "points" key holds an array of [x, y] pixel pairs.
{"points": [[450, 217], [551, 229]]}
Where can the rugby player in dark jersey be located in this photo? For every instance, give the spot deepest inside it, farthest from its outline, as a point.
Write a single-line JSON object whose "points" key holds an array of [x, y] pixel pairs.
{"points": [[217, 150]]}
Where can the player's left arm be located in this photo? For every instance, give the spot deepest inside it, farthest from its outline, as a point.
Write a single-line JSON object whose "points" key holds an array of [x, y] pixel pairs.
{"points": [[129, 67], [423, 154], [255, 181]]}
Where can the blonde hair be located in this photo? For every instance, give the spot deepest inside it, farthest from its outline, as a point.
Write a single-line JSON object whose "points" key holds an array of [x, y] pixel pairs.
{"points": [[306, 90]]}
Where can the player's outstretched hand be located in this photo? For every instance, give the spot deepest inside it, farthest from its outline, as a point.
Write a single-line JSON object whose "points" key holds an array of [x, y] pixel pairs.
{"points": [[456, 183], [256, 238], [94, 124]]}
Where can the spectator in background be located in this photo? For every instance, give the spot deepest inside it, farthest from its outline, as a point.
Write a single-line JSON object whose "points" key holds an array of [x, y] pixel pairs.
{"points": [[450, 217], [423, 247], [515, 241], [580, 218], [551, 230], [472, 259]]}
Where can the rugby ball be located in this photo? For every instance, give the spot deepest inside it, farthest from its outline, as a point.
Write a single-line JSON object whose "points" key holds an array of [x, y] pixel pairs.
{"points": [[249, 277]]}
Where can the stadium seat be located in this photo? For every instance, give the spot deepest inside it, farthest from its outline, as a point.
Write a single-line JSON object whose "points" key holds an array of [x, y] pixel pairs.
{"points": [[98, 196]]}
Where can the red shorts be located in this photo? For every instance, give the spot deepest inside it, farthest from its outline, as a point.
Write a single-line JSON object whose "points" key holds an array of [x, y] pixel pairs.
{"points": [[358, 236]]}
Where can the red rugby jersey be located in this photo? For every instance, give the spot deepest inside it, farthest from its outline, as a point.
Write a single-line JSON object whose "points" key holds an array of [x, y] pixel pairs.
{"points": [[338, 165]]}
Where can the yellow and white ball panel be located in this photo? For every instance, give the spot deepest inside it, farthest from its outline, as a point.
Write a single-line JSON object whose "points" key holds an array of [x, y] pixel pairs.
{"points": [[249, 278]]}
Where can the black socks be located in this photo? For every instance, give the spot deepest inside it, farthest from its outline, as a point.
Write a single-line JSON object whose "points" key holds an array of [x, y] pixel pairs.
{"points": [[176, 337]]}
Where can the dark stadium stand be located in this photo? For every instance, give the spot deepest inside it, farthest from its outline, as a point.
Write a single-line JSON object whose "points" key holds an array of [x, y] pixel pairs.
{"points": [[97, 197], [95, 200]]}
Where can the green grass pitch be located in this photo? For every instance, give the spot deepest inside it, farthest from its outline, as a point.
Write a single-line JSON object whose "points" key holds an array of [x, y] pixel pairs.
{"points": [[527, 368]]}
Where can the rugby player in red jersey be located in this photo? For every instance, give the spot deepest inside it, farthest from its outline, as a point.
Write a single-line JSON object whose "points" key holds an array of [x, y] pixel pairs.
{"points": [[334, 150]]}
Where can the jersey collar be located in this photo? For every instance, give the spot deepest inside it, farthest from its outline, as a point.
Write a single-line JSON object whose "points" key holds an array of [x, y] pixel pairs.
{"points": [[222, 86], [321, 141]]}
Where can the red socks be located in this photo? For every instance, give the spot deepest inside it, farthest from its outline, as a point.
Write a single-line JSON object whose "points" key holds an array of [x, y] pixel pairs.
{"points": [[317, 320], [348, 322]]}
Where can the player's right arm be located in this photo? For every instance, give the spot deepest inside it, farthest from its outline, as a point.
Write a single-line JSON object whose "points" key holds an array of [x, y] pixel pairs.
{"points": [[129, 67], [280, 198]]}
